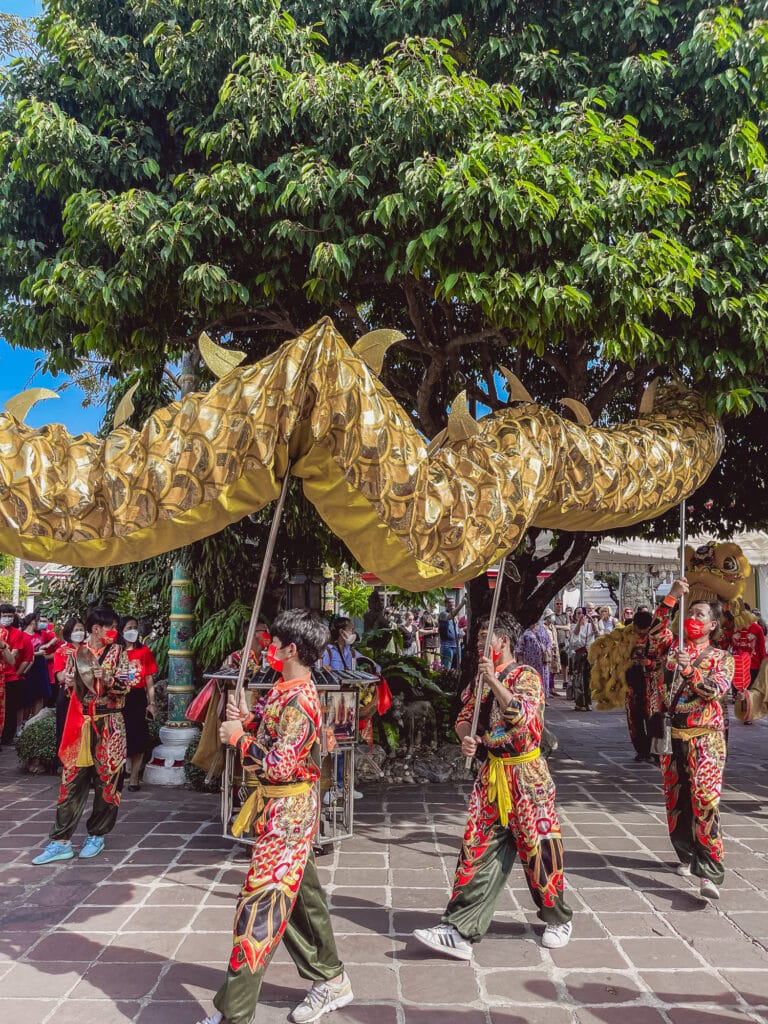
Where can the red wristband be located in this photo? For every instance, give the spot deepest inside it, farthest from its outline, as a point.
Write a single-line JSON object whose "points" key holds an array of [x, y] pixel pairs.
{"points": [[669, 601]]}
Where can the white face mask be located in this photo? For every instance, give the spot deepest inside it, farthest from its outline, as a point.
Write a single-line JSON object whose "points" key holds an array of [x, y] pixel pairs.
{"points": [[131, 635], [6, 620], [348, 638], [77, 636]]}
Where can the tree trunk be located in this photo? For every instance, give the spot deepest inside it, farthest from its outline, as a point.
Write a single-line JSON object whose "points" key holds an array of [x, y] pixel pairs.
{"points": [[524, 595]]}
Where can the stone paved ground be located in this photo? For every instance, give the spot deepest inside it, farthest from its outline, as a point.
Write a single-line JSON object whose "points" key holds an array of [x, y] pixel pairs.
{"points": [[141, 933]]}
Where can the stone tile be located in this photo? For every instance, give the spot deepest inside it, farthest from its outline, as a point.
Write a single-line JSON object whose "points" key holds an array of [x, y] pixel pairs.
{"points": [[191, 982], [358, 896], [434, 982], [373, 981], [495, 951], [115, 981], [602, 987], [618, 1015], [355, 1013], [751, 985], [588, 953], [44, 979], [658, 953], [78, 1011], [141, 947], [365, 949], [161, 919], [704, 1014], [98, 919], [674, 987], [634, 925], [531, 1015], [528, 986], [433, 1014], [27, 1010], [172, 1013]]}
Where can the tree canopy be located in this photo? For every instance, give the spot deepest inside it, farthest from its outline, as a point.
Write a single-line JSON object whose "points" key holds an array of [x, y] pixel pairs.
{"points": [[576, 189]]}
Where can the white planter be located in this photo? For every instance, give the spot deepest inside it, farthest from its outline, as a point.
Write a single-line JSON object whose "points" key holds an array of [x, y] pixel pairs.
{"points": [[166, 766]]}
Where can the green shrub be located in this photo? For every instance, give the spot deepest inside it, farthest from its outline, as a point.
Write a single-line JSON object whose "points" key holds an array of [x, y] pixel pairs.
{"points": [[37, 744]]}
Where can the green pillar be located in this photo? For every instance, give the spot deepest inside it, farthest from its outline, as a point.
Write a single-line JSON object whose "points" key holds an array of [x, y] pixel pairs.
{"points": [[166, 767]]}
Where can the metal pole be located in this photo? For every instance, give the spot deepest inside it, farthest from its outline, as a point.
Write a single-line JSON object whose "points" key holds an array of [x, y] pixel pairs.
{"points": [[487, 648], [682, 573], [262, 586], [16, 582]]}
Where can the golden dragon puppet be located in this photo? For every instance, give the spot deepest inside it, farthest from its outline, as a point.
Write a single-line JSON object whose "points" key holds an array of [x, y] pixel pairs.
{"points": [[419, 515]]}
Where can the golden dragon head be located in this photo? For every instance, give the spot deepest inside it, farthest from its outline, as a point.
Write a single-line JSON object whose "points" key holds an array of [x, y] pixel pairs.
{"points": [[716, 572]]}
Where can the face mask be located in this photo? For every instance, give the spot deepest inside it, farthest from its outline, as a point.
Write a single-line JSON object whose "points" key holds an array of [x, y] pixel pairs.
{"points": [[348, 638], [110, 635], [272, 660], [6, 620], [264, 639], [694, 629], [77, 636], [131, 635]]}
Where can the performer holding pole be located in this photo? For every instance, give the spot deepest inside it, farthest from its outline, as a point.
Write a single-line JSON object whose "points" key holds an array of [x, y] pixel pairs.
{"points": [[689, 724], [281, 897], [512, 806]]}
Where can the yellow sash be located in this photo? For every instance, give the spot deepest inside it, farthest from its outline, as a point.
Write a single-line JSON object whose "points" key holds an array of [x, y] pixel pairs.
{"points": [[691, 734], [498, 787], [254, 805], [84, 755]]}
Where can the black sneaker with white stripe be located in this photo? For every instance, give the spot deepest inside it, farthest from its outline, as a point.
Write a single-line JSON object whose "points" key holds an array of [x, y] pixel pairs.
{"points": [[445, 939]]}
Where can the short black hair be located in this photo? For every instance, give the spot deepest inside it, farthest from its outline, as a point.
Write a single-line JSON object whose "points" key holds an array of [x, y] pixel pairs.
{"points": [[506, 625], [337, 624], [643, 619], [102, 615], [305, 629], [8, 609], [715, 609], [69, 625], [29, 617]]}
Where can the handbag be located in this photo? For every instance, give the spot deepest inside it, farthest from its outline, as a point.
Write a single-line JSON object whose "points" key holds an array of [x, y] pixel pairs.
{"points": [[198, 706]]}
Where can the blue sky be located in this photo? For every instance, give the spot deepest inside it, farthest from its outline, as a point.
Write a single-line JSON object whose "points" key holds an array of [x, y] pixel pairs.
{"points": [[17, 366], [24, 8]]}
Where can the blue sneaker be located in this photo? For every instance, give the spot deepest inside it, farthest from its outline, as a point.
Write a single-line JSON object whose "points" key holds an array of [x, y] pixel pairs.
{"points": [[55, 851], [92, 847]]}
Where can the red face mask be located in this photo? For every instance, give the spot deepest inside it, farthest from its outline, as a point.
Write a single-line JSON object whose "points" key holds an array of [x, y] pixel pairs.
{"points": [[272, 661], [264, 639], [110, 635], [694, 629]]}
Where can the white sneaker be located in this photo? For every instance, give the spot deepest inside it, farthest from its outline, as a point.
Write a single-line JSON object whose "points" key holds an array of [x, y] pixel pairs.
{"points": [[445, 939], [557, 935], [708, 890], [215, 1018], [322, 998], [683, 869]]}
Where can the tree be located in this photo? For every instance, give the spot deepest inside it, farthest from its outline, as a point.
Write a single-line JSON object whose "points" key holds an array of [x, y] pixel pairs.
{"points": [[576, 189]]}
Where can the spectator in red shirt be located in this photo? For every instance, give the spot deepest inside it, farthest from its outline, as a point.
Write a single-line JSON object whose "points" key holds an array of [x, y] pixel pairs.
{"points": [[37, 683], [7, 659], [140, 702], [20, 644]]}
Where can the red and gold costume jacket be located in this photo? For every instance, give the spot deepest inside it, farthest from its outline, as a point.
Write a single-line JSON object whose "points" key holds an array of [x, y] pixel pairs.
{"points": [[278, 746], [700, 704], [517, 729]]}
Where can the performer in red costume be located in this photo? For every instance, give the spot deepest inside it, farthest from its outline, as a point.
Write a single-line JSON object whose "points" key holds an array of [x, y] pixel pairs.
{"points": [[689, 692], [512, 807], [282, 897]]}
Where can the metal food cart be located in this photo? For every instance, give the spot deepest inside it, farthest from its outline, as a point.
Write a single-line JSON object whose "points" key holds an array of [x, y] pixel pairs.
{"points": [[339, 698]]}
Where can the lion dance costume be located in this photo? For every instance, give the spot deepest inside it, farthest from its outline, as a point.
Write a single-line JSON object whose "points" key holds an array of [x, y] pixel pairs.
{"points": [[693, 772], [511, 811], [281, 897]]}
